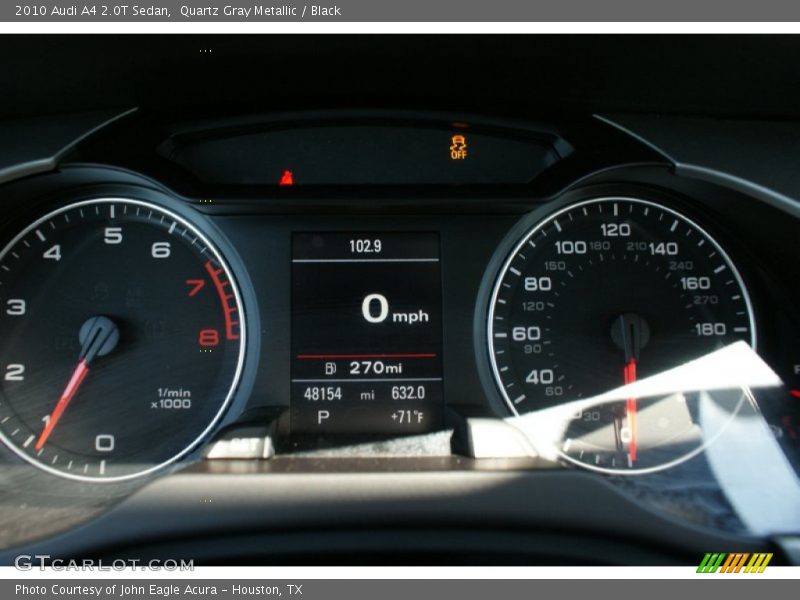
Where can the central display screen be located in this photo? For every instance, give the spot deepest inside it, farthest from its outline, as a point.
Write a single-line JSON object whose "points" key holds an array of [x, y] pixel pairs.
{"points": [[366, 333]]}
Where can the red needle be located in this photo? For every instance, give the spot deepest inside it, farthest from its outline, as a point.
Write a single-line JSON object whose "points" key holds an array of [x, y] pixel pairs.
{"points": [[630, 377], [80, 373]]}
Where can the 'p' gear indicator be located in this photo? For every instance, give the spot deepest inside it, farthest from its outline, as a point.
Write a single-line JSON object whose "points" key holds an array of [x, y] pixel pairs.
{"points": [[366, 333]]}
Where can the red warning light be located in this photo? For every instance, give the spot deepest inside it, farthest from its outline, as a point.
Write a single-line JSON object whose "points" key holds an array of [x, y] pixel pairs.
{"points": [[287, 178]]}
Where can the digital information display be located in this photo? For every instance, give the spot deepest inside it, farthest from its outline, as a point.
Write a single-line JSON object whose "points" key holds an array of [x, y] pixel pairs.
{"points": [[366, 333]]}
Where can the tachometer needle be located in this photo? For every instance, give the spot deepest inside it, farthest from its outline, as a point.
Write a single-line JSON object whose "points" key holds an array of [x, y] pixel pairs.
{"points": [[98, 336], [630, 405], [80, 373]]}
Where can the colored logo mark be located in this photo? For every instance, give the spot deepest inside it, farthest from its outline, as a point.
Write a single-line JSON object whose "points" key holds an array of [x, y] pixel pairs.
{"points": [[736, 562]]}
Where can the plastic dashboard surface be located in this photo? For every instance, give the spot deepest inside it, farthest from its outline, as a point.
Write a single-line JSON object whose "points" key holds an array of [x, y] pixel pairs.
{"points": [[406, 336]]}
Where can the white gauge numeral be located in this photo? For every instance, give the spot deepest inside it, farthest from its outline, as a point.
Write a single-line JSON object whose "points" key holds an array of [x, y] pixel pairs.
{"points": [[615, 229], [16, 307], [53, 253], [588, 416], [113, 235], [104, 443], [711, 329], [570, 247], [526, 334], [540, 376], [625, 435], [538, 284], [664, 248], [696, 283], [15, 373], [531, 306], [161, 250]]}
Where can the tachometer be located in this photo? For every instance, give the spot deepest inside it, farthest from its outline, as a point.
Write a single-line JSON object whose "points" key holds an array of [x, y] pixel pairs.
{"points": [[604, 293], [122, 339]]}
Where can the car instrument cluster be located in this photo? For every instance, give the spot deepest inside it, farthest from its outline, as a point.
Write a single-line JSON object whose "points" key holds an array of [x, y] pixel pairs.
{"points": [[314, 286]]}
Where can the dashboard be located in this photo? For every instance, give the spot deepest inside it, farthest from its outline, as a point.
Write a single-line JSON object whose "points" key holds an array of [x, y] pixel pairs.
{"points": [[385, 335]]}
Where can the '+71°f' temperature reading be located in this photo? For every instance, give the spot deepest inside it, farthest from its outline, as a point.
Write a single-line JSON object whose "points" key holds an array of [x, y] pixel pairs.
{"points": [[366, 333]]}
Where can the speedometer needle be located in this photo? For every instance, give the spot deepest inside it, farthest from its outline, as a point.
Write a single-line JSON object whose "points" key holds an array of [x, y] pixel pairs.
{"points": [[630, 332], [98, 336], [630, 405]]}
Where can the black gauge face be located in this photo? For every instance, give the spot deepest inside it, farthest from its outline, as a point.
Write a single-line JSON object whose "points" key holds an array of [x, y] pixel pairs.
{"points": [[122, 339], [606, 293]]}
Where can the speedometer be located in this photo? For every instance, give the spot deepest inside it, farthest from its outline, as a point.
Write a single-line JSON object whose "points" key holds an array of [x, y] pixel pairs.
{"points": [[599, 295]]}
